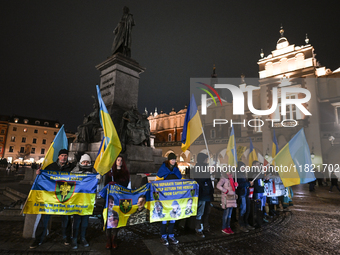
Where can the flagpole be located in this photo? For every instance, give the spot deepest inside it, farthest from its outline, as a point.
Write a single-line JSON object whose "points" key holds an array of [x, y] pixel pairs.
{"points": [[206, 145], [261, 172]]}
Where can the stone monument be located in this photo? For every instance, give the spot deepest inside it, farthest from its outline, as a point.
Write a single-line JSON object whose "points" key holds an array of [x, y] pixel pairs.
{"points": [[119, 84]]}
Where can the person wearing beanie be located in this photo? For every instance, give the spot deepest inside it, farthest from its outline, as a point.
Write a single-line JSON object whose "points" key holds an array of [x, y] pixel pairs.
{"points": [[168, 171], [205, 195], [62, 164], [81, 221]]}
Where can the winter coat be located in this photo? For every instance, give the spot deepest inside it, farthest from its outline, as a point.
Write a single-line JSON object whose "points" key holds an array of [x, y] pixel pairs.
{"points": [[228, 200], [55, 166], [206, 190], [334, 180], [120, 177]]}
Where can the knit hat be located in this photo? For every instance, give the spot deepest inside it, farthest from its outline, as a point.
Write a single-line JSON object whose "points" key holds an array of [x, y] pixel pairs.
{"points": [[85, 157], [172, 156], [63, 151]]}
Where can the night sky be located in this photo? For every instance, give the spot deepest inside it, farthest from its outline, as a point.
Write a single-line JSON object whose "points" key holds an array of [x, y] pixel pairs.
{"points": [[49, 49]]}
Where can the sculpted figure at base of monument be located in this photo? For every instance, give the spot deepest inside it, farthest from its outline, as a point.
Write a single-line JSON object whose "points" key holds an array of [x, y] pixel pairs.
{"points": [[88, 130], [135, 129]]}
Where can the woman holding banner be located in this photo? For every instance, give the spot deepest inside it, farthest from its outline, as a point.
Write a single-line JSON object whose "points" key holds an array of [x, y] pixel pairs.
{"points": [[168, 171], [119, 174], [84, 166]]}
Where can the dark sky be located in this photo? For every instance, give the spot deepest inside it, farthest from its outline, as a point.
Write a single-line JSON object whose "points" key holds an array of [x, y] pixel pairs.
{"points": [[49, 49]]}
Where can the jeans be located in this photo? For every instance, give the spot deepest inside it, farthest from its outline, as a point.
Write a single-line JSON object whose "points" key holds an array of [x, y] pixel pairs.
{"points": [[82, 222], [243, 205], [200, 209], [41, 230], [262, 197], [170, 229], [226, 218]]}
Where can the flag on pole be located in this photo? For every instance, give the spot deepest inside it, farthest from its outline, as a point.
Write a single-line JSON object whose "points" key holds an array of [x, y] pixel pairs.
{"points": [[293, 161], [275, 147], [231, 149], [59, 142], [192, 127], [110, 147], [252, 153]]}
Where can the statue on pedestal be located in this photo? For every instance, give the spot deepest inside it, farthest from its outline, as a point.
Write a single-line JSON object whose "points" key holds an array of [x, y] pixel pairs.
{"points": [[122, 41], [88, 130], [135, 129]]}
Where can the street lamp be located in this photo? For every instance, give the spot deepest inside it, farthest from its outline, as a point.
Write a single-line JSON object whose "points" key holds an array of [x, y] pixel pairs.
{"points": [[312, 155]]}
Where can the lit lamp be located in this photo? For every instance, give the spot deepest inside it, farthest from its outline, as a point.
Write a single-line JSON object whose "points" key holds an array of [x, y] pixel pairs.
{"points": [[312, 155], [267, 156]]}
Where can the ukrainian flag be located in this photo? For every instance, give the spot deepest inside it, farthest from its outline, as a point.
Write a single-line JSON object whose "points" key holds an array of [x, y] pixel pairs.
{"points": [[231, 149], [294, 162], [63, 193], [252, 153], [275, 147], [111, 147], [59, 142], [192, 127]]}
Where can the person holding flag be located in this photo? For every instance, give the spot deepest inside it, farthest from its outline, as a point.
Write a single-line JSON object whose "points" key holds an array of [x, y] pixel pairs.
{"points": [[57, 160]]}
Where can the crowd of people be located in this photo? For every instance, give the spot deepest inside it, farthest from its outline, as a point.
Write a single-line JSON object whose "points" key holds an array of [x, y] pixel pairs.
{"points": [[235, 193]]}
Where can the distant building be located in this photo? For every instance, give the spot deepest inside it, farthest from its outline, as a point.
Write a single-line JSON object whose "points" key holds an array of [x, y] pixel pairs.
{"points": [[4, 120], [28, 139]]}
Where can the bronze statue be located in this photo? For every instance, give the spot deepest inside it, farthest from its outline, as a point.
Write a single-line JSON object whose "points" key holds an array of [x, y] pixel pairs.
{"points": [[122, 41], [91, 123], [135, 129]]}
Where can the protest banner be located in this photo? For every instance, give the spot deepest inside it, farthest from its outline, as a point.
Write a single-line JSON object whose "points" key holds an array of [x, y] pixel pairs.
{"points": [[62, 193]]}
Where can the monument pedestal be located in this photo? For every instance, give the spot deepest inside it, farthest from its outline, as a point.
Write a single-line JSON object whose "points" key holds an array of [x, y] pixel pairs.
{"points": [[119, 82]]}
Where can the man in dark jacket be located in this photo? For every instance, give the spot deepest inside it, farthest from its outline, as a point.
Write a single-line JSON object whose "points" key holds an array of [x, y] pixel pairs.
{"points": [[205, 196], [61, 164]]}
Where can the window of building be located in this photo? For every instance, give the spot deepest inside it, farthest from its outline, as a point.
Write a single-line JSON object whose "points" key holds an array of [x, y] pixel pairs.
{"points": [[42, 151], [35, 131], [212, 133], [22, 149], [23, 140], [2, 131], [169, 137], [37, 122], [55, 133], [11, 149], [44, 141], [34, 140], [14, 128], [25, 121], [291, 111], [45, 132], [33, 150], [13, 139], [1, 139], [25, 130], [257, 123], [46, 123], [0, 149]]}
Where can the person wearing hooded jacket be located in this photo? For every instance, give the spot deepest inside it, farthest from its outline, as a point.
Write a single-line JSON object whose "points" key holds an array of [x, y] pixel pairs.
{"points": [[83, 167], [168, 171], [205, 195]]}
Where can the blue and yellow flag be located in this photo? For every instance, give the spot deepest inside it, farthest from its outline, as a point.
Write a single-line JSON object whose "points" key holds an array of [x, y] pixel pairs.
{"points": [[111, 147], [59, 142], [164, 200], [55, 192], [231, 149], [192, 127], [275, 147], [252, 153], [293, 161]]}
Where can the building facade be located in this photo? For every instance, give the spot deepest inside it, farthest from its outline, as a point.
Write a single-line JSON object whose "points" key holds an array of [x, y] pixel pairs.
{"points": [[28, 139], [287, 66]]}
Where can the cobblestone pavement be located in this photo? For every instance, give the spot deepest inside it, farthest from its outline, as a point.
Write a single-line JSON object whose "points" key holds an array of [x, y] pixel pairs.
{"points": [[312, 226]]}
